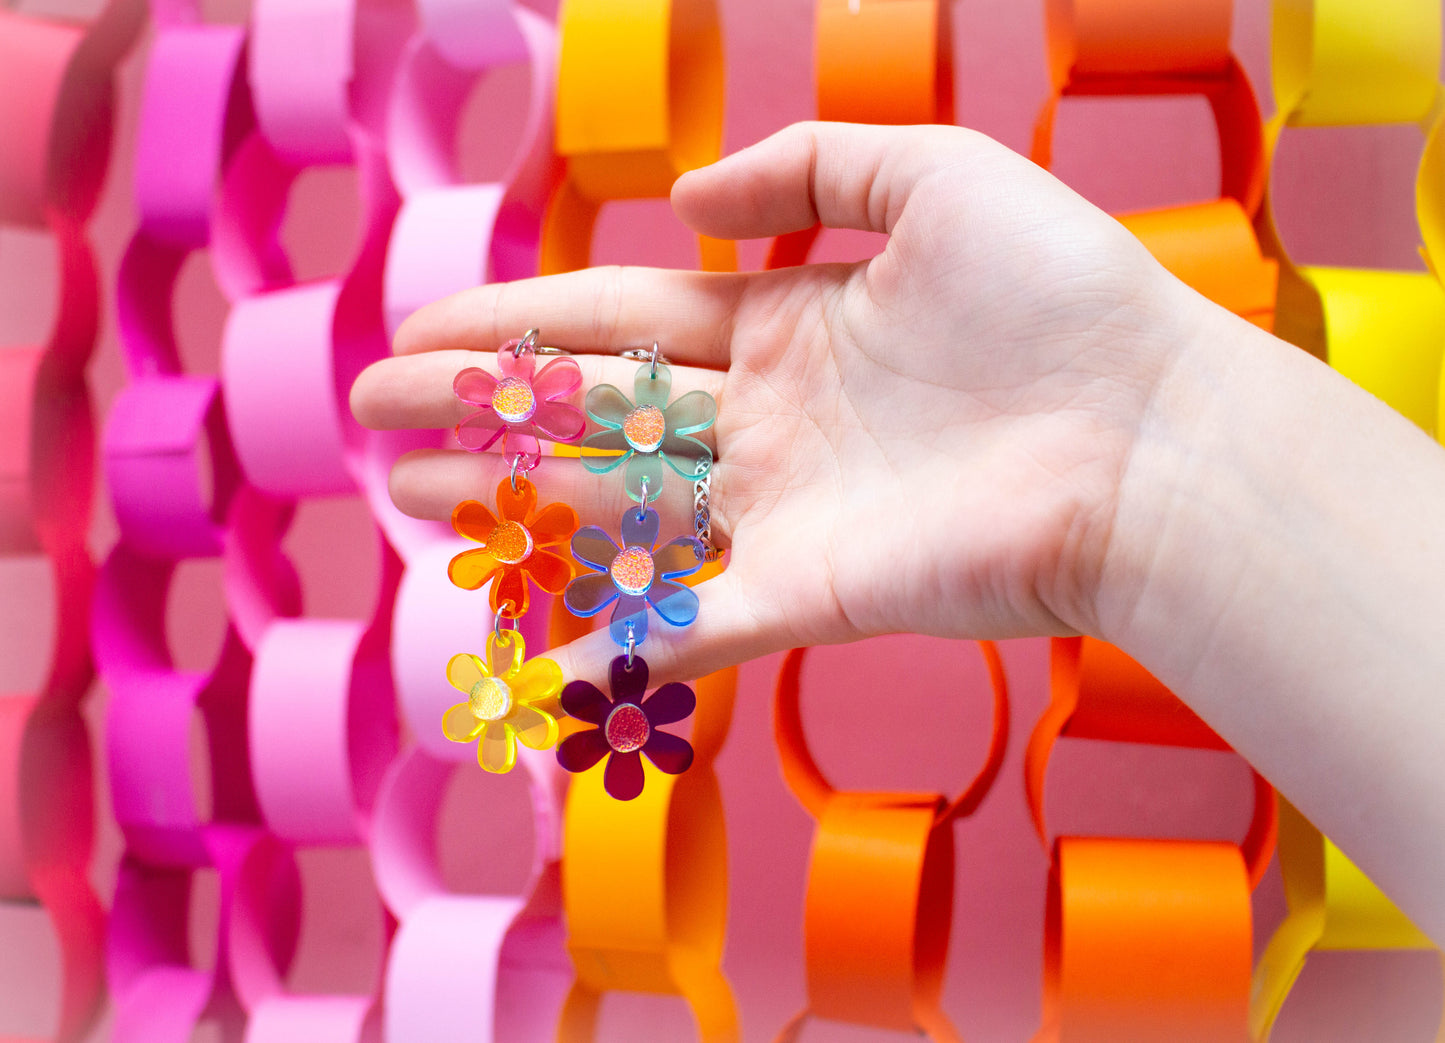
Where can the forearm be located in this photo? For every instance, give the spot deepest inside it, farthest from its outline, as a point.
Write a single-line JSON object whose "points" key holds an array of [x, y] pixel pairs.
{"points": [[1278, 559]]}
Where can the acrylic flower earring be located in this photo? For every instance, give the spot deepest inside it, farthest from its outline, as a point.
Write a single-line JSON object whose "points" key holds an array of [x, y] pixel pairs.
{"points": [[515, 701], [641, 434]]}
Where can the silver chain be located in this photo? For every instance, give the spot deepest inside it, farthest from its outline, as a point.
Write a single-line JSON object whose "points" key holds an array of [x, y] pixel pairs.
{"points": [[702, 511]]}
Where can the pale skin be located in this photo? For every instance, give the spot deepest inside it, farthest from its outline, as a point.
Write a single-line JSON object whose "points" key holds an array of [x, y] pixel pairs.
{"points": [[1010, 422]]}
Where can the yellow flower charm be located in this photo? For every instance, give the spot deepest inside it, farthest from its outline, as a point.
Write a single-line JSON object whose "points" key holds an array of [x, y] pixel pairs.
{"points": [[517, 701]]}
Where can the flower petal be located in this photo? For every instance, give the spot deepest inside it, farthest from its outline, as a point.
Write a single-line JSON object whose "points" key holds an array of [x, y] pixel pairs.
{"points": [[464, 671], [639, 527], [474, 386], [671, 703], [590, 594], [557, 379], [630, 610], [586, 702], [559, 421], [605, 451], [644, 465], [516, 504], [479, 431], [652, 389], [592, 546], [459, 724], [694, 411], [509, 593], [687, 456], [473, 519], [514, 365], [580, 750], [536, 680], [523, 444], [674, 602], [623, 778], [680, 556], [607, 406], [554, 523], [670, 753], [627, 683], [471, 568], [551, 572], [497, 752], [535, 729]]}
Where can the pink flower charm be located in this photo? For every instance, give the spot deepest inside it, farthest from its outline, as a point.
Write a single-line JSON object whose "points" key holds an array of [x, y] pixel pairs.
{"points": [[522, 406]]}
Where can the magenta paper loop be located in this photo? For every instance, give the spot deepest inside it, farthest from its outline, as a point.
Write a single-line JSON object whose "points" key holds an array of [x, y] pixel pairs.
{"points": [[507, 954], [159, 995], [150, 715], [193, 83], [321, 728], [160, 437], [315, 1019], [473, 34]]}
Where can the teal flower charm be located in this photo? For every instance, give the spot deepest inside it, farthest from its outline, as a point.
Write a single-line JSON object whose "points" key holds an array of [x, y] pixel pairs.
{"points": [[645, 432]]}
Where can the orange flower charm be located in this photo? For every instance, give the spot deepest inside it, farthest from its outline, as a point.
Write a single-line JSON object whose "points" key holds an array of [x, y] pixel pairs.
{"points": [[514, 546]]}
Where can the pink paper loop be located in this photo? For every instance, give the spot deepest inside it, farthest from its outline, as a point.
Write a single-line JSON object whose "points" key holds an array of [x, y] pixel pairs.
{"points": [[170, 467], [151, 713], [473, 34], [315, 1019], [447, 237], [433, 621], [193, 113], [301, 61], [159, 994], [321, 728], [46, 457]]}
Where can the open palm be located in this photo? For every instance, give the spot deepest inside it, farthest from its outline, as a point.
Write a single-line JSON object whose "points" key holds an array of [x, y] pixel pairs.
{"points": [[931, 441]]}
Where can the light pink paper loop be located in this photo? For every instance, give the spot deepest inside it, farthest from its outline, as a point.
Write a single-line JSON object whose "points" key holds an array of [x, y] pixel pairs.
{"points": [[473, 34], [433, 621], [507, 953], [449, 237], [301, 68], [315, 1019]]}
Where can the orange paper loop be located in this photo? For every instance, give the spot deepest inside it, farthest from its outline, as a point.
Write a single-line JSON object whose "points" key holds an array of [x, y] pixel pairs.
{"points": [[879, 903], [1146, 940], [639, 102], [1098, 692]]}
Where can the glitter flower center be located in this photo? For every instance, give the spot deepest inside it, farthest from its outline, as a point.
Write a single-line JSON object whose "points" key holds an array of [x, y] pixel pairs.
{"points": [[513, 400], [627, 728], [632, 570], [643, 428], [491, 699], [510, 543]]}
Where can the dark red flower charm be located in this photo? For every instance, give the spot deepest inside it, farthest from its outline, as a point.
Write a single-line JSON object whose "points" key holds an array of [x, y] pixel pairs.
{"points": [[627, 727]]}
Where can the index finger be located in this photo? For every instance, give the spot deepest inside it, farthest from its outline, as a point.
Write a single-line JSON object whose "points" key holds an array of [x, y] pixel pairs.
{"points": [[595, 310]]}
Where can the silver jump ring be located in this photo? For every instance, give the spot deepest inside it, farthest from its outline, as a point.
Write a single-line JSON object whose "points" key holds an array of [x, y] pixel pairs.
{"points": [[649, 355], [642, 507], [631, 645], [527, 343], [497, 628], [516, 463]]}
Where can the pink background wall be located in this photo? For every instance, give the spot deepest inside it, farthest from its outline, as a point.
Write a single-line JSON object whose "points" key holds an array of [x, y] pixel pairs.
{"points": [[1345, 197]]}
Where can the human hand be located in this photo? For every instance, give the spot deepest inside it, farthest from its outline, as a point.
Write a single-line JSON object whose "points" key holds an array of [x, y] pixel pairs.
{"points": [[931, 441]]}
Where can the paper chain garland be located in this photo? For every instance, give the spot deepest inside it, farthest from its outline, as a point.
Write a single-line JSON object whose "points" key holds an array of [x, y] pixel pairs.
{"points": [[302, 715]]}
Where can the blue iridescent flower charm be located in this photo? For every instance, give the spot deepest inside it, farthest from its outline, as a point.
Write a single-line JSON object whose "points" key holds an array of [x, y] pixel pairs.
{"points": [[634, 575]]}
